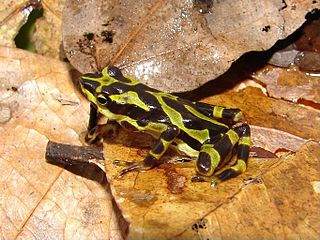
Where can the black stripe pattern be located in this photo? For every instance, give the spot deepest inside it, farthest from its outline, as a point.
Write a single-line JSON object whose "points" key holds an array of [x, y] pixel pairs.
{"points": [[176, 121]]}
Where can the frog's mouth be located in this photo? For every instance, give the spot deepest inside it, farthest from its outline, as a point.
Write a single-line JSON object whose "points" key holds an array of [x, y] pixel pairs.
{"points": [[89, 86]]}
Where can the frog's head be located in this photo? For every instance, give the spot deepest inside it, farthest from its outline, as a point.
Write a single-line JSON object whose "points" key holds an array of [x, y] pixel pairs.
{"points": [[99, 85]]}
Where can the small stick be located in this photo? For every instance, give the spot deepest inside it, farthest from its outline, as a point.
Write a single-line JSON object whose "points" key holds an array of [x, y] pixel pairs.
{"points": [[58, 153]]}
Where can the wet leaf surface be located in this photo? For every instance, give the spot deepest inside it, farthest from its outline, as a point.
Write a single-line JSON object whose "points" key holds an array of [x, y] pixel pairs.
{"points": [[174, 45]]}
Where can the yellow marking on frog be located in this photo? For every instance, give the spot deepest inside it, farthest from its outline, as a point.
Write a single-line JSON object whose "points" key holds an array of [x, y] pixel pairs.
{"points": [[157, 156], [129, 98], [245, 141], [240, 166], [217, 111], [238, 117], [214, 159], [177, 120], [202, 116], [233, 136]]}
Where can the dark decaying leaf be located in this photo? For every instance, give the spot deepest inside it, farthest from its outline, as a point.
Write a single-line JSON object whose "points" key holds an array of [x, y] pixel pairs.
{"points": [[304, 52], [174, 45]]}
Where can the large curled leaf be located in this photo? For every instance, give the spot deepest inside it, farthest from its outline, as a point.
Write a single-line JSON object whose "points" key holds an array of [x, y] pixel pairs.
{"points": [[38, 101], [175, 45]]}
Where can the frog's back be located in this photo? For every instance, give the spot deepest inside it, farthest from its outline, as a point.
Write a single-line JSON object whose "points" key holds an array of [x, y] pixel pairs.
{"points": [[153, 110], [137, 106]]}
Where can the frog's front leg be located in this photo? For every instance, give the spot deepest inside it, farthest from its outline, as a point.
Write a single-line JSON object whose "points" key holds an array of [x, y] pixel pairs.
{"points": [[216, 155], [98, 132], [93, 117], [154, 155]]}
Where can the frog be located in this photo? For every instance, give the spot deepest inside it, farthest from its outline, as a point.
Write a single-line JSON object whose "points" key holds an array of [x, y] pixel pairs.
{"points": [[207, 133]]}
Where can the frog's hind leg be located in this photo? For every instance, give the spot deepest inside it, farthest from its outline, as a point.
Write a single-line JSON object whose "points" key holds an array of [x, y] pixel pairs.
{"points": [[154, 155], [212, 156], [243, 149], [209, 110]]}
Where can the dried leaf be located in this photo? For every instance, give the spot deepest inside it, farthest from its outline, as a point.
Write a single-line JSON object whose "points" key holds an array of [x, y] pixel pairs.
{"points": [[283, 205], [290, 84], [272, 113], [13, 14], [274, 140], [175, 45], [155, 211], [47, 38], [40, 200]]}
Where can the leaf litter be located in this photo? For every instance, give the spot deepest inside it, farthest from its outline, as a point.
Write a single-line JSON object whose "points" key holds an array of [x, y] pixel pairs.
{"points": [[62, 204]]}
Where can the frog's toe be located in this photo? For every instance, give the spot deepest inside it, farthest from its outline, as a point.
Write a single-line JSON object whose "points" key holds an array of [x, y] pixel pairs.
{"points": [[213, 180], [198, 179], [124, 163], [130, 166], [129, 169]]}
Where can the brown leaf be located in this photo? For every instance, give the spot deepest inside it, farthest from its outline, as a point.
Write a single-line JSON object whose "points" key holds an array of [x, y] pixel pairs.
{"points": [[282, 205], [47, 38], [40, 200], [290, 84], [174, 45], [154, 211], [272, 113], [13, 14], [275, 140]]}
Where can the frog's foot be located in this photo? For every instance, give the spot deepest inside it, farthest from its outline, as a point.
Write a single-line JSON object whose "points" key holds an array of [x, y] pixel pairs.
{"points": [[93, 136], [130, 166], [213, 180], [198, 179], [99, 132]]}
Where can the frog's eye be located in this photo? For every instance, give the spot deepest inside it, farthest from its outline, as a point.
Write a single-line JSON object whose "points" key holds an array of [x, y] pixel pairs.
{"points": [[117, 74], [102, 100]]}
